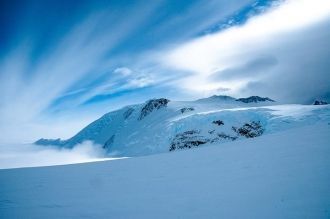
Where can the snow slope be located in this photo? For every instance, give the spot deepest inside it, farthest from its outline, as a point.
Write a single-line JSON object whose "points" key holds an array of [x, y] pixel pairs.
{"points": [[279, 175], [161, 125]]}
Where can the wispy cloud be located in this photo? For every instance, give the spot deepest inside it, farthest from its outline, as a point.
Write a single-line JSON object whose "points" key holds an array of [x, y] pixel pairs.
{"points": [[95, 56], [286, 42], [28, 90]]}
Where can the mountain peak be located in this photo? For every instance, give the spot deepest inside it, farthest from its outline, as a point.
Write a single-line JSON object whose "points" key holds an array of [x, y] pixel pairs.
{"points": [[254, 99], [222, 97], [151, 105], [320, 102], [217, 98], [43, 141]]}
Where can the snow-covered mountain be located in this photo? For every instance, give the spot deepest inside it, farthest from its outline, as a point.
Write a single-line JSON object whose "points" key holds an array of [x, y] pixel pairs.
{"points": [[161, 125], [280, 175], [263, 161]]}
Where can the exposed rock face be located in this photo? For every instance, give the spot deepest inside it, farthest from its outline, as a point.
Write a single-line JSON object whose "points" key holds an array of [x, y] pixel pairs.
{"points": [[188, 139], [186, 109], [226, 136], [222, 97], [217, 98], [152, 105], [255, 99], [128, 113], [218, 122], [250, 130], [195, 138], [109, 142], [319, 102]]}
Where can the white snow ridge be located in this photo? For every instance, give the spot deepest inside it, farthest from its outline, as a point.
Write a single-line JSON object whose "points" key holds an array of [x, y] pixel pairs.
{"points": [[218, 157]]}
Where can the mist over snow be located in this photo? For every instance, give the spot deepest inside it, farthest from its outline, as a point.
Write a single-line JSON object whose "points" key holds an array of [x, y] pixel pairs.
{"points": [[30, 155]]}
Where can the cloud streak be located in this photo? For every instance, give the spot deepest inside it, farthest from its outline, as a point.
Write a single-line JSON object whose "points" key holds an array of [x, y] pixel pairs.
{"points": [[60, 69], [27, 91]]}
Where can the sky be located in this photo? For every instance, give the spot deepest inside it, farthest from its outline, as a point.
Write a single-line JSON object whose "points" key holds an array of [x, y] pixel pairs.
{"points": [[65, 63]]}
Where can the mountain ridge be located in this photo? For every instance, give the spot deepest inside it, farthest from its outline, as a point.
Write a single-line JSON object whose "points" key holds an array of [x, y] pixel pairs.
{"points": [[161, 125]]}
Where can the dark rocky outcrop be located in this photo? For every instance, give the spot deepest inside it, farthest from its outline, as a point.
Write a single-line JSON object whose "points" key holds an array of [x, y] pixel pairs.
{"points": [[218, 122], [188, 139], [109, 142], [319, 102], [254, 99], [249, 130], [225, 136], [128, 113], [186, 109], [152, 105], [195, 138]]}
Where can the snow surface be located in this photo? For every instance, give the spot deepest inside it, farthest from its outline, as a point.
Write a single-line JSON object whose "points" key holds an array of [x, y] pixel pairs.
{"points": [[285, 174]]}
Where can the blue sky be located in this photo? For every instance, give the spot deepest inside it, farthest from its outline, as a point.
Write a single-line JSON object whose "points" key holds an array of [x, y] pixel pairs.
{"points": [[68, 62]]}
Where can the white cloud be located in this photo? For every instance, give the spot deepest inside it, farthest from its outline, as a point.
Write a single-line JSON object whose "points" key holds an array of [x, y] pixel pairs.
{"points": [[133, 79], [267, 35], [141, 81], [123, 71]]}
